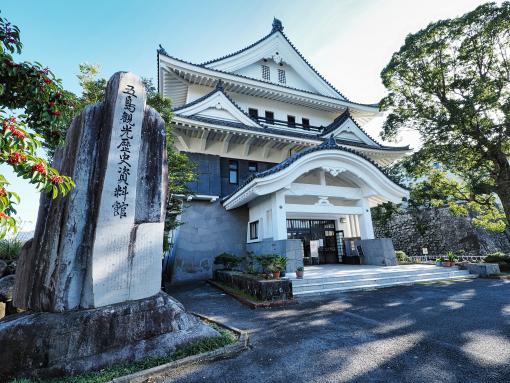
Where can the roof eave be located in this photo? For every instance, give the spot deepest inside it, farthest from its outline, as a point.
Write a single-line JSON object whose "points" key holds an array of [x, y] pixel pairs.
{"points": [[243, 80]]}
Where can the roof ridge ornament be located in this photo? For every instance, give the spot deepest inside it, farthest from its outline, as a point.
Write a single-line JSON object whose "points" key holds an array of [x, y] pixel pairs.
{"points": [[277, 25], [219, 86], [330, 142], [162, 50]]}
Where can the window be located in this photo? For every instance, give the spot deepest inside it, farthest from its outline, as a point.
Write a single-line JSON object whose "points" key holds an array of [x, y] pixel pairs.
{"points": [[233, 167], [254, 113], [252, 167], [266, 73], [306, 123], [291, 121], [281, 76], [269, 117], [254, 230]]}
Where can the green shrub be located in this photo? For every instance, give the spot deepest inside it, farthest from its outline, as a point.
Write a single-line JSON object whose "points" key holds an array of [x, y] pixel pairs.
{"points": [[497, 257], [229, 261], [402, 257], [10, 248], [267, 262]]}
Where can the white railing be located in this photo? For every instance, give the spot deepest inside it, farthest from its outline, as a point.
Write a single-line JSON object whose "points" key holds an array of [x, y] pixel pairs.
{"points": [[432, 258]]}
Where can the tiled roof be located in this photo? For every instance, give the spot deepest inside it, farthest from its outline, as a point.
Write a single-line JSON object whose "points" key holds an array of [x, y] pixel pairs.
{"points": [[263, 128], [344, 117], [162, 51], [329, 144], [277, 27]]}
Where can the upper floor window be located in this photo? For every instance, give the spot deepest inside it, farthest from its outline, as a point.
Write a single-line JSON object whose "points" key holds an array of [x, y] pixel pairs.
{"points": [[269, 117], [306, 123], [291, 121], [252, 167], [254, 113], [254, 230], [233, 172], [281, 76], [266, 73]]}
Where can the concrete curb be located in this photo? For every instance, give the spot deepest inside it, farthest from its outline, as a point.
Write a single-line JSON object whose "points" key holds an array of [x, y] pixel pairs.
{"points": [[226, 352], [251, 304]]}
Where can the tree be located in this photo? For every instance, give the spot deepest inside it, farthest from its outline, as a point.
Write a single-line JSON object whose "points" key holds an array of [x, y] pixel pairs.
{"points": [[45, 105], [451, 83], [180, 169]]}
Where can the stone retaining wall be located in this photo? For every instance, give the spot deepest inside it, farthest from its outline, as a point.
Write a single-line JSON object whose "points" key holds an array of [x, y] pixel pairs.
{"points": [[440, 231], [264, 290]]}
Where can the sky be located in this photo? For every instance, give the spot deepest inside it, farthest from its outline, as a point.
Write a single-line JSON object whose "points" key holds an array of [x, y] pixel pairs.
{"points": [[348, 41]]}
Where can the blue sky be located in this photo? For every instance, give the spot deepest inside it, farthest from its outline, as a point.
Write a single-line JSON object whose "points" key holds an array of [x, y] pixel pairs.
{"points": [[348, 41]]}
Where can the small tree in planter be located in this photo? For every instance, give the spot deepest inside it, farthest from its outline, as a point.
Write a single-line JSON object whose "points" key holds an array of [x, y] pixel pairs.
{"points": [[229, 261], [268, 264]]}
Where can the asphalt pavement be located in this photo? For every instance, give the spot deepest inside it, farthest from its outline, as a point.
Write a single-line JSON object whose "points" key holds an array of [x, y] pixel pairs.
{"points": [[448, 332]]}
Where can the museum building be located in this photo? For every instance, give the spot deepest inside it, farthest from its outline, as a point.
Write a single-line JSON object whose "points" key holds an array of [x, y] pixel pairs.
{"points": [[281, 158]]}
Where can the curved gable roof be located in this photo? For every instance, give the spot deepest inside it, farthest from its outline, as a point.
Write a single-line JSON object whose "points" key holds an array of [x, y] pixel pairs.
{"points": [[329, 144]]}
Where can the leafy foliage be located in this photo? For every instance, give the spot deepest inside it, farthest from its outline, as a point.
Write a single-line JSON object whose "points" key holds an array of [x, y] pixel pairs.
{"points": [[229, 261], [28, 87], [34, 89], [451, 83]]}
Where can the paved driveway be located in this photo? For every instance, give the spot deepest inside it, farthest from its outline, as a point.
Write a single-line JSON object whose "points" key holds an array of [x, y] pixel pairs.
{"points": [[458, 332]]}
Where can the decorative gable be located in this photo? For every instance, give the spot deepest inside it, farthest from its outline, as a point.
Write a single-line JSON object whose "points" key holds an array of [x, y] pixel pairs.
{"points": [[345, 128], [217, 106], [276, 53]]}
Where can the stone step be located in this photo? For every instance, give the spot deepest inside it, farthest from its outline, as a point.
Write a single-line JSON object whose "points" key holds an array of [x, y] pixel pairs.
{"points": [[368, 284], [378, 280], [374, 275]]}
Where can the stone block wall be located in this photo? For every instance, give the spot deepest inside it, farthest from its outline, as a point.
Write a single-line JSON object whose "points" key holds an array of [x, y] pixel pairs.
{"points": [[292, 249], [440, 231], [264, 290], [207, 231]]}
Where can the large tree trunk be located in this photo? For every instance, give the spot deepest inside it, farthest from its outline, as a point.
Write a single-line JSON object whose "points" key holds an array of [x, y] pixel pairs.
{"points": [[503, 187]]}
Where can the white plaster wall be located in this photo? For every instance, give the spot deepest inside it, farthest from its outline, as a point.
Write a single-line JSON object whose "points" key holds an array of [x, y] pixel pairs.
{"points": [[282, 109], [292, 78], [258, 211]]}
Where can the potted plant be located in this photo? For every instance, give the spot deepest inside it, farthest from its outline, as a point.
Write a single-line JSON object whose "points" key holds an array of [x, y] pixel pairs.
{"points": [[439, 261], [280, 263], [267, 263], [300, 271], [452, 258], [273, 269]]}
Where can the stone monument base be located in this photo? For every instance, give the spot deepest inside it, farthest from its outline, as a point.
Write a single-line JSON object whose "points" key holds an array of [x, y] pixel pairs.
{"points": [[378, 252], [55, 344]]}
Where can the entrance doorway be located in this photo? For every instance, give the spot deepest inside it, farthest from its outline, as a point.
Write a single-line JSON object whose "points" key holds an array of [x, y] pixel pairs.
{"points": [[321, 231]]}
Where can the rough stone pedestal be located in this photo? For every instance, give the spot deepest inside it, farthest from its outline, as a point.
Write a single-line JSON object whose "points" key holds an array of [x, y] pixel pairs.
{"points": [[379, 252], [57, 344]]}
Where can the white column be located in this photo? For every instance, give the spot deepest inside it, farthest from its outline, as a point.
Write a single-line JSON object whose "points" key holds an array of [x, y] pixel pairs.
{"points": [[279, 215], [365, 221]]}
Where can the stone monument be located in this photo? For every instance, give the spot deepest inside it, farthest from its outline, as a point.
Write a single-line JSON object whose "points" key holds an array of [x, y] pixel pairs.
{"points": [[91, 276]]}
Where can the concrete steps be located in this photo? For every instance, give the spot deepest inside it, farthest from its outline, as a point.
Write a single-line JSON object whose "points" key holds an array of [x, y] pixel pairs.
{"points": [[374, 280]]}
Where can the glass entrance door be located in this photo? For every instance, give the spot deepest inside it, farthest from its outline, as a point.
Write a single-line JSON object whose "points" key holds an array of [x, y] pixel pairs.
{"points": [[315, 230]]}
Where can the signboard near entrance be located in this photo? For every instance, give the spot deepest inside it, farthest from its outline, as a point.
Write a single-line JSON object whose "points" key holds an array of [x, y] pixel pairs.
{"points": [[314, 249]]}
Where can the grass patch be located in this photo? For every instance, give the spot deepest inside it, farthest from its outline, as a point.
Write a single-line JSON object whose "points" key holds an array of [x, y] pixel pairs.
{"points": [[106, 374]]}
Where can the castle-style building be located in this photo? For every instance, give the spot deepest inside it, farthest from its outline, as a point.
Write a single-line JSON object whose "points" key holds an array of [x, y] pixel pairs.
{"points": [[281, 156]]}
